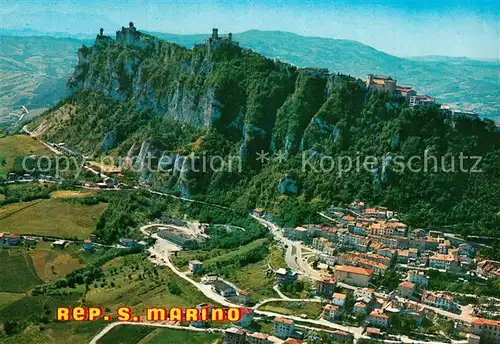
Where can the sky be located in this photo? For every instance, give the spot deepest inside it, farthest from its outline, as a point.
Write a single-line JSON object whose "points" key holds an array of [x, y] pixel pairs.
{"points": [[402, 28]]}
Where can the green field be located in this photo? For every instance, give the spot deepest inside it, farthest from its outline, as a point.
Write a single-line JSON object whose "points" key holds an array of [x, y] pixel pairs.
{"points": [[51, 264], [6, 298], [134, 281], [51, 217], [56, 333], [126, 334], [150, 335], [17, 273], [311, 309], [252, 277], [19, 146], [30, 306], [214, 256]]}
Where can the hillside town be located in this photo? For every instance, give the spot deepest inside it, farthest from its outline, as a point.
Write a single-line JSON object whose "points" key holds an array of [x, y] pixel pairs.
{"points": [[360, 244]]}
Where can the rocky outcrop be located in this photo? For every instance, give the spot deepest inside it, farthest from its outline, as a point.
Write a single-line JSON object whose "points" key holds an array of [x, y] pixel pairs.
{"points": [[109, 141], [287, 186]]}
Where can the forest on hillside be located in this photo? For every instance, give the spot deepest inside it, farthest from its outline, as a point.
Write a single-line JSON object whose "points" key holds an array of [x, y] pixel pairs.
{"points": [[144, 95]]}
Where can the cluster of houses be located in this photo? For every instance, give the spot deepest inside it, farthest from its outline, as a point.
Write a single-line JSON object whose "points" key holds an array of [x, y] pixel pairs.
{"points": [[377, 240], [387, 84], [365, 242], [26, 177], [366, 303], [14, 240], [284, 332]]}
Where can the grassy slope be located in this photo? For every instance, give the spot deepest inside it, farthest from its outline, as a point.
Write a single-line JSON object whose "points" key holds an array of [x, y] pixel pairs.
{"points": [[142, 288], [56, 333], [149, 335], [19, 145], [215, 256], [252, 277], [7, 298], [138, 292], [36, 305], [51, 264], [51, 217], [311, 309], [17, 273]]}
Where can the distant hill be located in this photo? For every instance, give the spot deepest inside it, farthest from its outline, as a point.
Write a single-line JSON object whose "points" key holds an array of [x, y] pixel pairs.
{"points": [[461, 82], [34, 72]]}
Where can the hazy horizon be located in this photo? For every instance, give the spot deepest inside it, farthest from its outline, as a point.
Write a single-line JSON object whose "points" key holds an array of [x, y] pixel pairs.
{"points": [[428, 28]]}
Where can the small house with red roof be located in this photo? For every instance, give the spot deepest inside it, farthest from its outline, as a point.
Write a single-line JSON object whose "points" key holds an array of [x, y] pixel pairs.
{"points": [[13, 239]]}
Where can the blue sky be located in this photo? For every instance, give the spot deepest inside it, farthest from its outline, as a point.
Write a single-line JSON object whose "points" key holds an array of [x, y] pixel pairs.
{"points": [[403, 28]]}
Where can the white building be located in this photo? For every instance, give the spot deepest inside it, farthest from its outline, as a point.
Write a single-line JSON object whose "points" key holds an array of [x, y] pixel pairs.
{"points": [[338, 299], [366, 294], [378, 319], [283, 328], [418, 277], [330, 312]]}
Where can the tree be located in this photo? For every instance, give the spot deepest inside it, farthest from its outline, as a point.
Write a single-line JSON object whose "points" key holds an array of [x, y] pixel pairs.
{"points": [[10, 327], [174, 288]]}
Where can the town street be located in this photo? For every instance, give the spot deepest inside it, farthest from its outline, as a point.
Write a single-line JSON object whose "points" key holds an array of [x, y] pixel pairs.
{"points": [[297, 262]]}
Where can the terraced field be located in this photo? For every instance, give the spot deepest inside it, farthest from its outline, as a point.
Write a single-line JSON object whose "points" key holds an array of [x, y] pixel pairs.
{"points": [[51, 217], [17, 273], [151, 335], [19, 146]]}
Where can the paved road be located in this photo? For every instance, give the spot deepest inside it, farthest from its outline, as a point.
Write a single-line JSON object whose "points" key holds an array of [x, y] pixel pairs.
{"points": [[189, 200], [287, 299], [162, 257], [57, 152]]}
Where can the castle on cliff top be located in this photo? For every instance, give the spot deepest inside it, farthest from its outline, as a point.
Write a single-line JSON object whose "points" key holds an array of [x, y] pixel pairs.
{"points": [[127, 31], [216, 41]]}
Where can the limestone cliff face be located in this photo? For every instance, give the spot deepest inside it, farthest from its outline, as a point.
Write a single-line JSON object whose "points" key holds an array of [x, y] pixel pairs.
{"points": [[265, 104], [157, 75], [125, 87]]}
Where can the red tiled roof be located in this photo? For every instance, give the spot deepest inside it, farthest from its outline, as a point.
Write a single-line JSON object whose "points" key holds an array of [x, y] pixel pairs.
{"points": [[283, 320], [376, 314], [487, 322], [372, 330], [407, 284], [293, 341], [354, 270], [258, 335], [328, 280], [330, 307]]}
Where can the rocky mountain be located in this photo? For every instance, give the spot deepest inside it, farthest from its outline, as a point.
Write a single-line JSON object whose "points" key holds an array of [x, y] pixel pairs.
{"points": [[37, 65], [172, 110], [461, 82]]}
